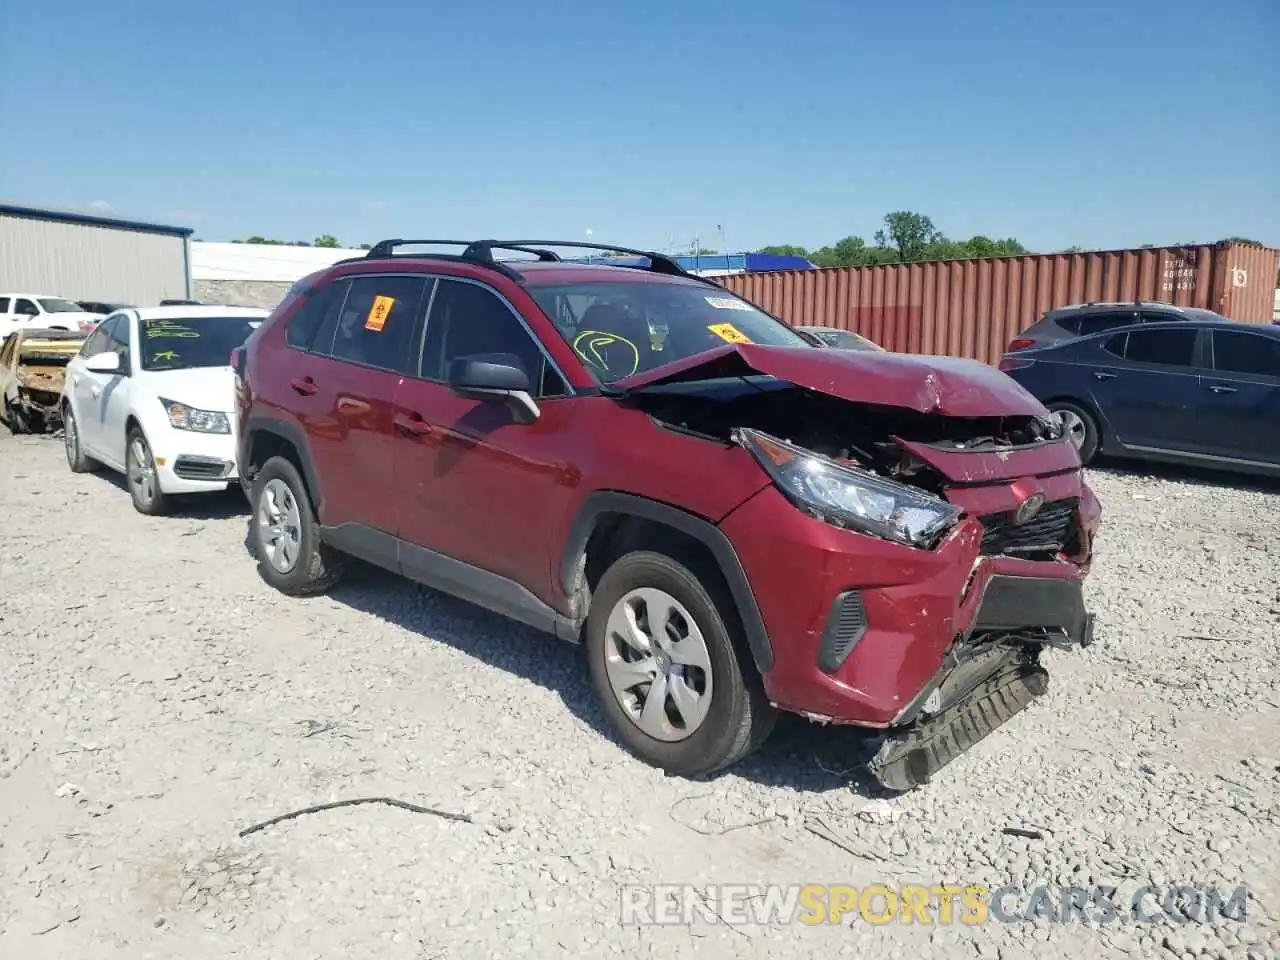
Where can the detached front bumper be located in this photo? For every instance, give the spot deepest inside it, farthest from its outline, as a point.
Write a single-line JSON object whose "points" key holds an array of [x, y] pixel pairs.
{"points": [[861, 628]]}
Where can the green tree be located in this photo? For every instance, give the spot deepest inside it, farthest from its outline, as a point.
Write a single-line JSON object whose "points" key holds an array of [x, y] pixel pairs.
{"points": [[911, 234], [907, 237], [328, 241]]}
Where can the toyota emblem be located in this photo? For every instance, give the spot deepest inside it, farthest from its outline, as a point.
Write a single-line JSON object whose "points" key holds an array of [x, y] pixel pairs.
{"points": [[1028, 509]]}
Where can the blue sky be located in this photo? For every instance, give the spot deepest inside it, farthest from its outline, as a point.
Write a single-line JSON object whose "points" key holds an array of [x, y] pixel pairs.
{"points": [[1103, 123]]}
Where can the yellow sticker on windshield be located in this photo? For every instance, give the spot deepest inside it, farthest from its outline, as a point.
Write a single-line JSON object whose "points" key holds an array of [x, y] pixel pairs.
{"points": [[378, 313], [165, 355], [729, 333]]}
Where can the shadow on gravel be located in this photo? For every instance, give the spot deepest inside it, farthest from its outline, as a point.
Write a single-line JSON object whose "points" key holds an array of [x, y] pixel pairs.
{"points": [[201, 506], [1177, 473], [799, 755]]}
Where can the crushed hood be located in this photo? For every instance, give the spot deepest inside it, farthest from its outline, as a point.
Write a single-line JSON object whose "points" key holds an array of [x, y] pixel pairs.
{"points": [[948, 386]]}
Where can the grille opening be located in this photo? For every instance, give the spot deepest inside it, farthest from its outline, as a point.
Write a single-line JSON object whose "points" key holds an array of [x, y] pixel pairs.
{"points": [[1043, 537]]}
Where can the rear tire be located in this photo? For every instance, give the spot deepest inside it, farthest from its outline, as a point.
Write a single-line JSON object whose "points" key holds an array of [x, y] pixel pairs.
{"points": [[1081, 425], [77, 459], [693, 663], [15, 419], [286, 535]]}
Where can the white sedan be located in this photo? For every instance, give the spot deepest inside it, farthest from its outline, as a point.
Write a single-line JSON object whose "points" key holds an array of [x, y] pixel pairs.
{"points": [[151, 394]]}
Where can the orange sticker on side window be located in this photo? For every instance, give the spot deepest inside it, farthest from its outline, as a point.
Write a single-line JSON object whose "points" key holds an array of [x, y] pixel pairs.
{"points": [[378, 313], [729, 333]]}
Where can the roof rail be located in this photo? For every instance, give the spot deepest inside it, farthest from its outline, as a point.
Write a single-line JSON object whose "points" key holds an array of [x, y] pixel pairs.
{"points": [[481, 252], [658, 262]]}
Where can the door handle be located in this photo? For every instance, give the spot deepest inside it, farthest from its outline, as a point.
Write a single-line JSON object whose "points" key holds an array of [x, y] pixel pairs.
{"points": [[97, 391], [414, 425], [352, 405], [1099, 375], [75, 380], [1219, 388], [305, 386]]}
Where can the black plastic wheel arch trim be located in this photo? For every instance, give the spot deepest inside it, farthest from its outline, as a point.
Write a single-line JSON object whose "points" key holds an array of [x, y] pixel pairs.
{"points": [[292, 434], [707, 533]]}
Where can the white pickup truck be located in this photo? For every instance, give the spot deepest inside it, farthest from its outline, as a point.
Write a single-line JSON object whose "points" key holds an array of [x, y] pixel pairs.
{"points": [[26, 311]]}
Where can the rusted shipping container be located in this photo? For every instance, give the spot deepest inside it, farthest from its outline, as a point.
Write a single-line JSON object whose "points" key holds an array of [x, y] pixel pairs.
{"points": [[973, 308]]}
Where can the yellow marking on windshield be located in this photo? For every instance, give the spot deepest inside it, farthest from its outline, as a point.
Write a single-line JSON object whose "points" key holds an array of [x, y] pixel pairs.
{"points": [[593, 346]]}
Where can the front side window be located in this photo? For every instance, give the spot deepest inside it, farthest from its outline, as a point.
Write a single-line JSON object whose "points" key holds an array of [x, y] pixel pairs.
{"points": [[1174, 348], [619, 328], [1246, 354], [468, 320], [187, 343], [376, 322], [97, 341], [58, 305]]}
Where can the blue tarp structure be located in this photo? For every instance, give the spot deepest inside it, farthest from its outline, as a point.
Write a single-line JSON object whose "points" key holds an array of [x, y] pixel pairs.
{"points": [[720, 262]]}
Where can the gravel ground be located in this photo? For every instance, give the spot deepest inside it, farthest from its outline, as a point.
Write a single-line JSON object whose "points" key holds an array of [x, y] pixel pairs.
{"points": [[159, 698]]}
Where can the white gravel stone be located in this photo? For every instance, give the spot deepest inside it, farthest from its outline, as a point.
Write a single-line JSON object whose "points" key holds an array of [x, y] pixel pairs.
{"points": [[144, 661]]}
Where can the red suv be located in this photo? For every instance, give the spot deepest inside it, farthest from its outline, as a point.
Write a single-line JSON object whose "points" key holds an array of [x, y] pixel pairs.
{"points": [[731, 518]]}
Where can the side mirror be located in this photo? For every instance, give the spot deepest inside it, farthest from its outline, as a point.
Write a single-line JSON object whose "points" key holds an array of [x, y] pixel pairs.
{"points": [[495, 377], [108, 362]]}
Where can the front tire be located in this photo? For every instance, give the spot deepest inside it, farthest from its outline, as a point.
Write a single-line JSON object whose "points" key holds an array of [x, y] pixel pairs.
{"points": [[1081, 427], [144, 479], [286, 536], [655, 631]]}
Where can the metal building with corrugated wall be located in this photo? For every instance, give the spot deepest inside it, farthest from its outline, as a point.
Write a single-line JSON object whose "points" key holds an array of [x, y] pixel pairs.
{"points": [[84, 257]]}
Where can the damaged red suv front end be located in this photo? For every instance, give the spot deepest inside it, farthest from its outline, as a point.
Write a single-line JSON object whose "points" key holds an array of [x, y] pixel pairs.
{"points": [[925, 538]]}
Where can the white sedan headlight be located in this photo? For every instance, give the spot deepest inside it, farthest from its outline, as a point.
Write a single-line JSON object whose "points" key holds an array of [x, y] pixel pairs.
{"points": [[846, 496], [182, 417]]}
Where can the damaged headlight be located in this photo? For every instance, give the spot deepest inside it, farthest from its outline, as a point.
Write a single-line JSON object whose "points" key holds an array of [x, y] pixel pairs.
{"points": [[849, 497], [182, 417]]}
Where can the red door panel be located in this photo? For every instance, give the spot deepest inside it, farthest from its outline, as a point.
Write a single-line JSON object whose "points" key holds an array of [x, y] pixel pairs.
{"points": [[477, 486]]}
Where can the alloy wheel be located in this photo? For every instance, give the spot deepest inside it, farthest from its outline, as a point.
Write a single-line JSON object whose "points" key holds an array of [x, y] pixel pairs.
{"points": [[70, 437], [1073, 426], [279, 525], [142, 471]]}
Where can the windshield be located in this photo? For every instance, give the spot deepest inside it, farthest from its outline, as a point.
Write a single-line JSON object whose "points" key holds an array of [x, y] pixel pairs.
{"points": [[621, 328], [56, 305], [182, 343]]}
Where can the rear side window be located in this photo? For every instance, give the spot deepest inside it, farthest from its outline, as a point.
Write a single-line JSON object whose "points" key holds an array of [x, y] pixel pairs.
{"points": [[375, 324], [1174, 348], [1098, 322], [1246, 353], [300, 330], [4, 304]]}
